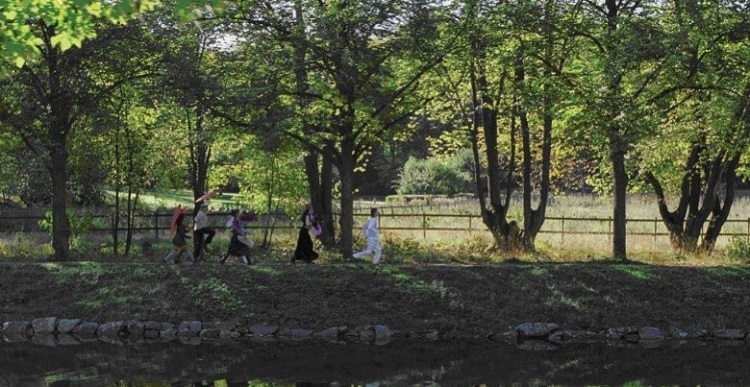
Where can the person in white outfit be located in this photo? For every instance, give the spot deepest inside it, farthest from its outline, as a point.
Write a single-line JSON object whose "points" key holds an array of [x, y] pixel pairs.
{"points": [[370, 229]]}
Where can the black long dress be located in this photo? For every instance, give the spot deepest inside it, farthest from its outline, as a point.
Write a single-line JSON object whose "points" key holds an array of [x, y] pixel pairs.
{"points": [[304, 251]]}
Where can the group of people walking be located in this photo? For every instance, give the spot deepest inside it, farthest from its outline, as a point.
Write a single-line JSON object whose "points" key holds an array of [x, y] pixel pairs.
{"points": [[240, 244], [305, 251]]}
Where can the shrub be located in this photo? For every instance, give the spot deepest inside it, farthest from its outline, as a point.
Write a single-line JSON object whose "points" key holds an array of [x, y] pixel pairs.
{"points": [[80, 224], [738, 250], [437, 175]]}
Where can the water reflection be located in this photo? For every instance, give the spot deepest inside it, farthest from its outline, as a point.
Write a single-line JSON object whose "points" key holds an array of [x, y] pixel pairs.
{"points": [[321, 364]]}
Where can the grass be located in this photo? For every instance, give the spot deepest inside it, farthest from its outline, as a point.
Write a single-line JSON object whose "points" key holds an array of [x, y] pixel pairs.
{"points": [[456, 234]]}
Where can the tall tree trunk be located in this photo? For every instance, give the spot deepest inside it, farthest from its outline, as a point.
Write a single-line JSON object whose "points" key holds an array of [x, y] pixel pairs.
{"points": [[520, 74], [58, 169], [320, 187], [619, 227], [492, 208], [617, 143], [117, 173], [131, 187], [200, 155], [538, 216], [319, 177], [493, 215], [326, 202], [346, 172]]}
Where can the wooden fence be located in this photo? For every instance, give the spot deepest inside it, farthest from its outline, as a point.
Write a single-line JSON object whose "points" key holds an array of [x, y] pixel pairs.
{"points": [[425, 225]]}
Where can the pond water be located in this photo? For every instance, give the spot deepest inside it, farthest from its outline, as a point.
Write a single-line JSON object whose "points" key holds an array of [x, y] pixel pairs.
{"points": [[394, 364]]}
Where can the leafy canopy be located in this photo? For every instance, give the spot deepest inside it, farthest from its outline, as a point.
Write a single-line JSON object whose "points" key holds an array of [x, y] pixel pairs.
{"points": [[74, 21]]}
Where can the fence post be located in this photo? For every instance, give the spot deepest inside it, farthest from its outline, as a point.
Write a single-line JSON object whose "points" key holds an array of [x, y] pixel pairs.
{"points": [[562, 231], [470, 216], [424, 225], [656, 220], [156, 225], [609, 224]]}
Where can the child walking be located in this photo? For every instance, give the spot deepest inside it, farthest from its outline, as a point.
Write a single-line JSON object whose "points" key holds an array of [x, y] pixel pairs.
{"points": [[240, 244], [372, 234], [179, 226]]}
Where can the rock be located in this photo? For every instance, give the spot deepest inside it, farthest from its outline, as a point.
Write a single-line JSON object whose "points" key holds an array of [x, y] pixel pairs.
{"points": [[294, 333], [44, 339], [67, 340], [135, 329], [331, 333], [729, 334], [702, 334], [112, 330], [86, 331], [619, 333], [225, 334], [168, 331], [632, 337], [367, 333], [651, 334], [151, 329], [67, 326], [678, 333], [44, 326], [575, 337], [263, 330], [17, 330], [151, 334], [211, 334], [190, 328], [382, 332], [432, 335], [536, 330]]}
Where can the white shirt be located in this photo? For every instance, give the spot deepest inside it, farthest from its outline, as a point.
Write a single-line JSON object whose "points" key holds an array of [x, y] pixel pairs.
{"points": [[200, 220], [371, 228]]}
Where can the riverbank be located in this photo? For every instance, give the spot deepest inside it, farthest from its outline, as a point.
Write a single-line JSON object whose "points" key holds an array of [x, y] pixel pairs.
{"points": [[456, 302]]}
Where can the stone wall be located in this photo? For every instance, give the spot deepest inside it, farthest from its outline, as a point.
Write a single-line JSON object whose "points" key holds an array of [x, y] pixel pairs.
{"points": [[52, 331]]}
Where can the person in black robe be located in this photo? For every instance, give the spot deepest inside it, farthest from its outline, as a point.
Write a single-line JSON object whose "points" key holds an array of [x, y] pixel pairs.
{"points": [[305, 251]]}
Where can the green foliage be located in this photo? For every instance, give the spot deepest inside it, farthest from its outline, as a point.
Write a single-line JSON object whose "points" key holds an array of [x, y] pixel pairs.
{"points": [[738, 250], [268, 179], [80, 224], [447, 175], [74, 21], [22, 246]]}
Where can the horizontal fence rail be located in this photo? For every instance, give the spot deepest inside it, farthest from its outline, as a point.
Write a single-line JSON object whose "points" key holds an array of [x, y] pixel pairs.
{"points": [[424, 224]]}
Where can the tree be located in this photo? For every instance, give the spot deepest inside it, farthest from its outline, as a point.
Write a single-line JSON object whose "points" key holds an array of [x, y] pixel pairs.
{"points": [[626, 53], [706, 127], [357, 87], [54, 96], [195, 79]]}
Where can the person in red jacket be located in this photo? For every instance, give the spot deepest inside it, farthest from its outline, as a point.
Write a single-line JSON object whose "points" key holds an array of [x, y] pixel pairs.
{"points": [[179, 242]]}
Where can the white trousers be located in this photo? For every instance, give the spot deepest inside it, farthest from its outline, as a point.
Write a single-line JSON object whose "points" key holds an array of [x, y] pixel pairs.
{"points": [[373, 245]]}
